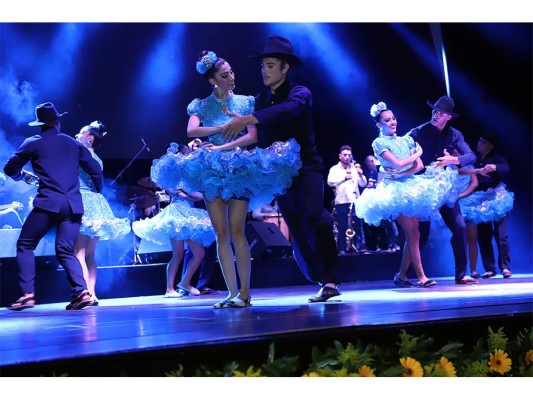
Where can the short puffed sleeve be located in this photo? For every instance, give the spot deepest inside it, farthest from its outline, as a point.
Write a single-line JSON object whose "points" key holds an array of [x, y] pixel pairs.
{"points": [[194, 107], [251, 104], [410, 142], [379, 146]]}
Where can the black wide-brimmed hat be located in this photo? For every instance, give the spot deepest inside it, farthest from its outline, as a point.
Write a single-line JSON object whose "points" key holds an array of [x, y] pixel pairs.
{"points": [[279, 47], [445, 104], [45, 113]]}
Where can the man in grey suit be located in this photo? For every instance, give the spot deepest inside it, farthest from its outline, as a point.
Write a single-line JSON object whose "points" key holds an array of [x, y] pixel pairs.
{"points": [[55, 159]]}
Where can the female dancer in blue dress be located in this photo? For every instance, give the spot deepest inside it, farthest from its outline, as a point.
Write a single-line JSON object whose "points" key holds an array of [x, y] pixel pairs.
{"points": [[232, 180], [402, 195], [98, 221], [180, 223], [483, 203]]}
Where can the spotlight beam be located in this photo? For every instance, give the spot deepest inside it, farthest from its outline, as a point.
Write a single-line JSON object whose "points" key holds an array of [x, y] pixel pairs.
{"points": [[436, 33]]}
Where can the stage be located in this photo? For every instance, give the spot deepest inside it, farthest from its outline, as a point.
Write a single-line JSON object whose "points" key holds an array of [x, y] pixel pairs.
{"points": [[151, 335]]}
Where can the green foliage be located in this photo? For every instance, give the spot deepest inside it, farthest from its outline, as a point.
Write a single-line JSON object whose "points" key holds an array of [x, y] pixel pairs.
{"points": [[346, 360], [177, 373], [497, 340], [209, 371], [476, 369]]}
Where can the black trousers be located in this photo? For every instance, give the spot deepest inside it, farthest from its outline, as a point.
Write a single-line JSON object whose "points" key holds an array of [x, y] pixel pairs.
{"points": [[384, 236], [311, 227], [38, 223], [453, 218], [500, 232]]}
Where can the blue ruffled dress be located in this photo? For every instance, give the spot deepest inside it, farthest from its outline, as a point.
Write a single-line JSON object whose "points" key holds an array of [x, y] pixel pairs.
{"points": [[256, 175], [483, 206], [98, 218], [179, 220], [411, 195]]}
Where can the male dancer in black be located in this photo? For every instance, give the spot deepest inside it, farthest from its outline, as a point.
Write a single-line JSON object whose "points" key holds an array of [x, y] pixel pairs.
{"points": [[438, 140], [55, 159], [284, 111]]}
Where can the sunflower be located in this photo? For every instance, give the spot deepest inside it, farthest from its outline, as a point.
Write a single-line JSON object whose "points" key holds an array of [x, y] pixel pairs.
{"points": [[447, 367], [412, 367], [366, 371], [311, 375], [529, 357], [500, 362]]}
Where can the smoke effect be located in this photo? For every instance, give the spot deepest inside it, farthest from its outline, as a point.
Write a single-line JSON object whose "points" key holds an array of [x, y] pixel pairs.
{"points": [[18, 99], [16, 109]]}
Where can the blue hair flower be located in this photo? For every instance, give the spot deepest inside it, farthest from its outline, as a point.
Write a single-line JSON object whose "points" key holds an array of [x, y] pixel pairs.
{"points": [[173, 149], [206, 62]]}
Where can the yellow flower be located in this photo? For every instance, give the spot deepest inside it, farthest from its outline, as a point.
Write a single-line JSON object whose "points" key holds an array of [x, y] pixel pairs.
{"points": [[311, 375], [250, 372], [447, 366], [500, 362], [529, 357], [412, 367], [366, 371]]}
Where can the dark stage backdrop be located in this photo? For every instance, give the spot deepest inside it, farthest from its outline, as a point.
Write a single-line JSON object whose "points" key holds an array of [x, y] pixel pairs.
{"points": [[138, 78]]}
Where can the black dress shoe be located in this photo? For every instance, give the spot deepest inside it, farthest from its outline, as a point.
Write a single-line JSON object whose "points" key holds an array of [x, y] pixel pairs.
{"points": [[23, 303], [80, 301], [324, 294], [475, 275], [507, 273], [488, 274]]}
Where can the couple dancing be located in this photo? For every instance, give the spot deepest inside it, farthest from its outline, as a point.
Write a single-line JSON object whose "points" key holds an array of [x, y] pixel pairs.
{"points": [[234, 176]]}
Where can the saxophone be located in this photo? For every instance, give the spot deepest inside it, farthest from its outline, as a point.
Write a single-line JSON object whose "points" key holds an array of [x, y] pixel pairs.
{"points": [[335, 224], [350, 232]]}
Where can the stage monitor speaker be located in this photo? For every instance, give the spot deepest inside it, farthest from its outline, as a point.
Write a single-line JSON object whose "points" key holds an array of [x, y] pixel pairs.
{"points": [[266, 240]]}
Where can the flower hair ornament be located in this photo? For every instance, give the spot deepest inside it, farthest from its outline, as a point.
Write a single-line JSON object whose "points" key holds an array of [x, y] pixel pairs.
{"points": [[376, 109], [206, 62], [173, 148], [99, 127]]}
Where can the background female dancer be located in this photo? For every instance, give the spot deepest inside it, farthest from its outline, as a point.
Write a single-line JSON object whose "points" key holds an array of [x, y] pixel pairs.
{"points": [[180, 223], [232, 180], [98, 221], [402, 195], [486, 209]]}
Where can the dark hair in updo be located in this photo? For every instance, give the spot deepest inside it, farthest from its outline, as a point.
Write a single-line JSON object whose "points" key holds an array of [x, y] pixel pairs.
{"points": [[98, 131]]}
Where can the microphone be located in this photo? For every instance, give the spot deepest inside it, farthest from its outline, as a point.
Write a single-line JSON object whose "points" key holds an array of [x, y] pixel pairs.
{"points": [[145, 145]]}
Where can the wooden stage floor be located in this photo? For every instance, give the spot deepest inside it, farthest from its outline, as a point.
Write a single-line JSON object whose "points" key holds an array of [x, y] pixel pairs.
{"points": [[137, 325]]}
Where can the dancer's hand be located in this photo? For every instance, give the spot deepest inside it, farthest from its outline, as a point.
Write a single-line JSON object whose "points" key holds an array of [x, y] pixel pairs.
{"points": [[447, 159], [211, 146], [234, 127]]}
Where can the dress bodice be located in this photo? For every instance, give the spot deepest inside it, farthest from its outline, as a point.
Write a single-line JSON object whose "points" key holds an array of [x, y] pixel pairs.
{"points": [[399, 146], [86, 183], [210, 112]]}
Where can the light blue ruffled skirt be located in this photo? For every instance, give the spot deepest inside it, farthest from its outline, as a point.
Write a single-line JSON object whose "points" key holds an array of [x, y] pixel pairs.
{"points": [[256, 175], [98, 218], [180, 221], [414, 195], [487, 206]]}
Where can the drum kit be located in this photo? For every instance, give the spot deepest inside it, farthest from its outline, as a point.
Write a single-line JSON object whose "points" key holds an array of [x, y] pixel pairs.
{"points": [[147, 194]]}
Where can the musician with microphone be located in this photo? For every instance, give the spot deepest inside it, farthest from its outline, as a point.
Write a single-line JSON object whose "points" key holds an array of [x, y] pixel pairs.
{"points": [[346, 177]]}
